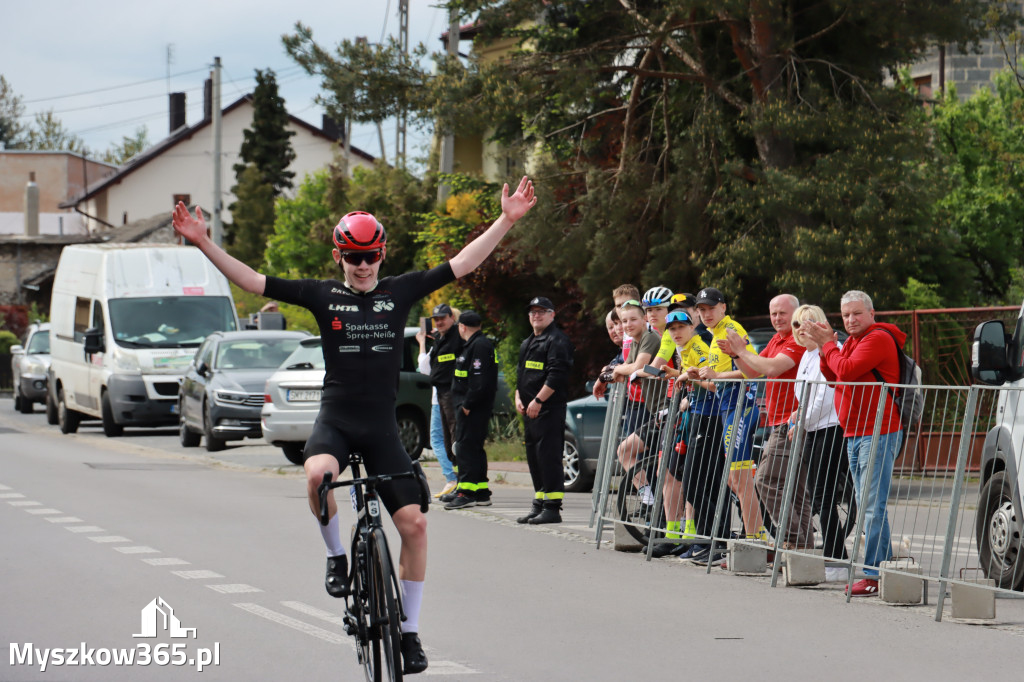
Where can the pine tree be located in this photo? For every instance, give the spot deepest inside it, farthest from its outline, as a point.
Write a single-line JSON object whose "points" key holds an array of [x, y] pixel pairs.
{"points": [[266, 144]]}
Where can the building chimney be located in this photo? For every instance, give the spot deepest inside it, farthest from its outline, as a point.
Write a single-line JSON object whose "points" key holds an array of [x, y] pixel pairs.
{"points": [[31, 207], [177, 110], [330, 128], [208, 100]]}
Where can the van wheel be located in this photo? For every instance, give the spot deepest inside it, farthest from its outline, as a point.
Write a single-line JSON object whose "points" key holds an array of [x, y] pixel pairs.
{"points": [[213, 444], [51, 410], [293, 452], [23, 404], [111, 429], [998, 532], [67, 419]]}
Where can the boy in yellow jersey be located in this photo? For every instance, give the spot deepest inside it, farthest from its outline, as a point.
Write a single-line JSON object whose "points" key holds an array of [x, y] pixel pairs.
{"points": [[739, 427]]}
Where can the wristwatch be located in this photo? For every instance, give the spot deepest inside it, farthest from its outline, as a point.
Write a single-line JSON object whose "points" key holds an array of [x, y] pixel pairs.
{"points": [[539, 401]]}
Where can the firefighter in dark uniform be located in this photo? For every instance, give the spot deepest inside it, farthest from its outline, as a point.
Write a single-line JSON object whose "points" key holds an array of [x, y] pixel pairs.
{"points": [[447, 346], [545, 358], [473, 388]]}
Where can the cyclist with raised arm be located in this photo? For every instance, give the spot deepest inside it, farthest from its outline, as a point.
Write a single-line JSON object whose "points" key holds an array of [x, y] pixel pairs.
{"points": [[362, 324]]}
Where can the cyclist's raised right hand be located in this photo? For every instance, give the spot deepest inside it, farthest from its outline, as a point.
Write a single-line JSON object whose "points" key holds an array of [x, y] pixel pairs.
{"points": [[189, 227]]}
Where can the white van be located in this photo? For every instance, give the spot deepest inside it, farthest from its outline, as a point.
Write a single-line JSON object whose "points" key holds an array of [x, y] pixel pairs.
{"points": [[126, 320], [997, 359]]}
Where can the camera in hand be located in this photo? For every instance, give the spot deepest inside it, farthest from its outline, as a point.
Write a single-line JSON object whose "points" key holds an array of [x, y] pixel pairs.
{"points": [[606, 376]]}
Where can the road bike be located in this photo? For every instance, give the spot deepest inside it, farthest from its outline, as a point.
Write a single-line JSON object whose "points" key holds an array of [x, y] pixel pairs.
{"points": [[373, 609]]}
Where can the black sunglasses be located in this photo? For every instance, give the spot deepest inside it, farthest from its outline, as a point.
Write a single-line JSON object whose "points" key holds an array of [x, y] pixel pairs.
{"points": [[357, 257]]}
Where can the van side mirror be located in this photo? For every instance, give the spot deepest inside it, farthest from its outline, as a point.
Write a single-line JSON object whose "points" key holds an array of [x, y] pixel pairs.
{"points": [[17, 350], [988, 354], [202, 369], [94, 341]]}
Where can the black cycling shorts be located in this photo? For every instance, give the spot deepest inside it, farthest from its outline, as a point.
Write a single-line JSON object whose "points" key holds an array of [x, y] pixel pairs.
{"points": [[369, 428]]}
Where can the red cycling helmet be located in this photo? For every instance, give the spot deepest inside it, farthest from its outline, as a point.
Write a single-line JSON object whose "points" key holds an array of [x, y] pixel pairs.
{"points": [[359, 231]]}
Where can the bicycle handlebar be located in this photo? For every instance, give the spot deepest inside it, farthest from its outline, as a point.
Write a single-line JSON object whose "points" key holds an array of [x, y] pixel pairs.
{"points": [[369, 481]]}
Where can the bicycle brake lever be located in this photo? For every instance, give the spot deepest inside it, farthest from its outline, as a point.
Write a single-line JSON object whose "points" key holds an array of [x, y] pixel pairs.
{"points": [[322, 492]]}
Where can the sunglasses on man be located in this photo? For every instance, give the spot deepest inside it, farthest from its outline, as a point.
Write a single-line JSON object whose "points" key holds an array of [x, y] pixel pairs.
{"points": [[357, 257]]}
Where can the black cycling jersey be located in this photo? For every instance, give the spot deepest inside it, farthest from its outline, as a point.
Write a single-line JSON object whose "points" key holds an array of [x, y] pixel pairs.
{"points": [[363, 333]]}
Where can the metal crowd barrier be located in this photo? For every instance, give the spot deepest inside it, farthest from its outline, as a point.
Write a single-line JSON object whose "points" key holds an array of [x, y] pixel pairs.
{"points": [[960, 521]]}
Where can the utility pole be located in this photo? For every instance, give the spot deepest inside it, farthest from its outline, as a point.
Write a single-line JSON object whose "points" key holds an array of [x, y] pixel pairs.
{"points": [[447, 161], [217, 231], [403, 41]]}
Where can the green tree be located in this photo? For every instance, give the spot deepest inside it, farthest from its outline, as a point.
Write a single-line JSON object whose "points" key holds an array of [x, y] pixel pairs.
{"points": [[11, 111], [300, 245], [47, 132], [751, 144], [252, 217], [266, 144], [983, 141], [130, 145]]}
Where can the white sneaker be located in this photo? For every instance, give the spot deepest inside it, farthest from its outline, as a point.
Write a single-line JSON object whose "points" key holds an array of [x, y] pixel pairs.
{"points": [[646, 497], [837, 574]]}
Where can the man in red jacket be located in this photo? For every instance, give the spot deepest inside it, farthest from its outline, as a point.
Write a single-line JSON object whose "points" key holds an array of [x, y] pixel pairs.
{"points": [[871, 346]]}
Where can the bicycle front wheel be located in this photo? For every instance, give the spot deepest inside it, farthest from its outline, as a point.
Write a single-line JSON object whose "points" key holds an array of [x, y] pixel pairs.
{"points": [[386, 632], [636, 516]]}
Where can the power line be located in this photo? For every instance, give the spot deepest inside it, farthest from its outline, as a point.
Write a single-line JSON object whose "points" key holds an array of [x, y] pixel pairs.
{"points": [[112, 87]]}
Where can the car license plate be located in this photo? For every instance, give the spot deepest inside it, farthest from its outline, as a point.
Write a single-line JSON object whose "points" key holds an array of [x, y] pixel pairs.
{"points": [[303, 396]]}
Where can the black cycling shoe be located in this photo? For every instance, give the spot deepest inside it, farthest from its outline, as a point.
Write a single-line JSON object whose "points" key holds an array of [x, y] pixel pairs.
{"points": [[336, 581], [413, 659], [663, 549]]}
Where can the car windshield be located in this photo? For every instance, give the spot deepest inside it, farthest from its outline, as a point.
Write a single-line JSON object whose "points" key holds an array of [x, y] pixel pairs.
{"points": [[169, 321], [39, 343], [306, 356], [254, 353]]}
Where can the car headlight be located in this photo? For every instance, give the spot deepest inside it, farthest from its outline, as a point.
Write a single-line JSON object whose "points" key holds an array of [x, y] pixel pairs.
{"points": [[230, 397], [34, 366], [126, 362]]}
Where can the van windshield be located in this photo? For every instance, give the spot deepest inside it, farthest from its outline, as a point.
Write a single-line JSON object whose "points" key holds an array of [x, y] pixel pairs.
{"points": [[169, 321]]}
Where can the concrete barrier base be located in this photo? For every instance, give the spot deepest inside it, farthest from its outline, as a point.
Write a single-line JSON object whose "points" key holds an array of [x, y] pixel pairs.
{"points": [[803, 570], [745, 558], [624, 542], [974, 601], [895, 588]]}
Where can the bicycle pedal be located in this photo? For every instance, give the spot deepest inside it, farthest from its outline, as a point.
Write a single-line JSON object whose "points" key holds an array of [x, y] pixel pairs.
{"points": [[351, 627]]}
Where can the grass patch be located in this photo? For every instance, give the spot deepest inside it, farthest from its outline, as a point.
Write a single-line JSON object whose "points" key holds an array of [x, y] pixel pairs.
{"points": [[505, 451]]}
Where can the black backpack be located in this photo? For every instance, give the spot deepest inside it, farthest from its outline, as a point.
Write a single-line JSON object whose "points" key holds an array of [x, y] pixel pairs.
{"points": [[909, 400]]}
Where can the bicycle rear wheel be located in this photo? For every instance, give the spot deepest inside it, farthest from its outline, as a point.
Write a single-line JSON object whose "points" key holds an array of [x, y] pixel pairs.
{"points": [[386, 633], [637, 517]]}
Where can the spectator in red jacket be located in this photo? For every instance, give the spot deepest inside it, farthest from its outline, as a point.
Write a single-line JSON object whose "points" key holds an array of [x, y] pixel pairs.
{"points": [[871, 346]]}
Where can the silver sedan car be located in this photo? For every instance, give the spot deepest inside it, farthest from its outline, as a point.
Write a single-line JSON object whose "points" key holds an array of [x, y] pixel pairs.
{"points": [[29, 363]]}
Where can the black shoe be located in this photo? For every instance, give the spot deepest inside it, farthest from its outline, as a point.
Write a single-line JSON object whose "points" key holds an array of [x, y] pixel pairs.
{"points": [[706, 556], [663, 549], [448, 497], [413, 659], [461, 501], [535, 510], [336, 581], [546, 516], [483, 501]]}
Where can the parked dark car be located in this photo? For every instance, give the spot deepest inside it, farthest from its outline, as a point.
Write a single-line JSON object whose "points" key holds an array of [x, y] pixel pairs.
{"points": [[29, 363], [221, 393]]}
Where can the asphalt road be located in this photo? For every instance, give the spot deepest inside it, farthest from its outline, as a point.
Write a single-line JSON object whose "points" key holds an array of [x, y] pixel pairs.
{"points": [[95, 529]]}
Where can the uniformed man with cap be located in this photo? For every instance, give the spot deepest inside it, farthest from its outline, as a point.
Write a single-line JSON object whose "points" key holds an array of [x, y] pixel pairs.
{"points": [[473, 388], [545, 358], [447, 346]]}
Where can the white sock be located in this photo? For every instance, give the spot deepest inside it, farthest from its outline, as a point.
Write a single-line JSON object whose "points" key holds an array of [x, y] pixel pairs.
{"points": [[412, 597], [645, 494], [332, 537]]}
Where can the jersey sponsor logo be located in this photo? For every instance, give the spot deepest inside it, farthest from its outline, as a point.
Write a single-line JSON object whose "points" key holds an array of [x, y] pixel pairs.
{"points": [[335, 324], [383, 348], [379, 306], [447, 357], [375, 331], [336, 290], [533, 364], [338, 308], [461, 373], [348, 349], [476, 364]]}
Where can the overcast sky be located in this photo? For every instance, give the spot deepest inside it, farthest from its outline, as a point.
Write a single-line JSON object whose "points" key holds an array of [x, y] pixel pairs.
{"points": [[53, 49]]}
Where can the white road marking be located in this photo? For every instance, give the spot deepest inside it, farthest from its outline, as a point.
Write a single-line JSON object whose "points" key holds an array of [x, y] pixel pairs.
{"points": [[4, 487], [326, 616], [137, 549], [84, 529], [11, 496], [234, 588], [45, 510], [197, 575], [295, 624], [108, 538], [165, 561], [64, 519], [24, 503]]}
